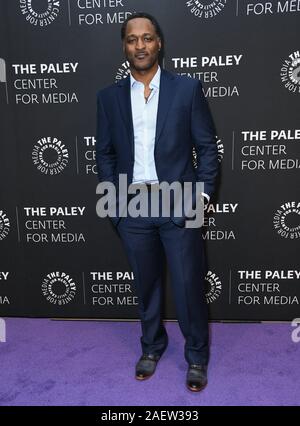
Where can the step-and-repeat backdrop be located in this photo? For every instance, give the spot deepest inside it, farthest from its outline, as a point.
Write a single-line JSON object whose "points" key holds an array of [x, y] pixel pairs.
{"points": [[58, 259]]}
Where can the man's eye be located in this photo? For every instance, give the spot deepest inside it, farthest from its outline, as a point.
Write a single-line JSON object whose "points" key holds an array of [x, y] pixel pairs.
{"points": [[148, 39]]}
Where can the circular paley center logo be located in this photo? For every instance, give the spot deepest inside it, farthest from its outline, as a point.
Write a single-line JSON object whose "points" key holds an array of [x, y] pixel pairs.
{"points": [[123, 72], [4, 225], [58, 288], [50, 156], [205, 9], [287, 220], [290, 72], [40, 12], [213, 286], [220, 148]]}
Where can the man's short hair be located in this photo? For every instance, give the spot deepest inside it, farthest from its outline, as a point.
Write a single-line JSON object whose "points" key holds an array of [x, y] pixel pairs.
{"points": [[142, 15]]}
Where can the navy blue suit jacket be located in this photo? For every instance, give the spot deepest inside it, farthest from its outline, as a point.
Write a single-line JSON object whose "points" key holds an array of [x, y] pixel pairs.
{"points": [[183, 122]]}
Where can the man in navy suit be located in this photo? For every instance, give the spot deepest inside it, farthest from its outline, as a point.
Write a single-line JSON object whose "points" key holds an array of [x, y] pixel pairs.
{"points": [[147, 126]]}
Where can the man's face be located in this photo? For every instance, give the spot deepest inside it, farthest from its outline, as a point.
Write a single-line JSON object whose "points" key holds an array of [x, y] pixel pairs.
{"points": [[141, 44]]}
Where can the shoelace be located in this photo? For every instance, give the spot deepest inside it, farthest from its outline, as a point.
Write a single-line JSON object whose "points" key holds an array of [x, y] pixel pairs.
{"points": [[197, 366], [147, 357]]}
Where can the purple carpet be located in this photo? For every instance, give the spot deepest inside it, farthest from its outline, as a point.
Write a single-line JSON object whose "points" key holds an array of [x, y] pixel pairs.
{"points": [[46, 362]]}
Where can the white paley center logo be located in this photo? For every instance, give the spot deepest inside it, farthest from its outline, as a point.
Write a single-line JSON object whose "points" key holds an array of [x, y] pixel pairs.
{"points": [[50, 155], [58, 288], [220, 147], [213, 287], [205, 8], [4, 225], [40, 12], [123, 72], [290, 72], [287, 220]]}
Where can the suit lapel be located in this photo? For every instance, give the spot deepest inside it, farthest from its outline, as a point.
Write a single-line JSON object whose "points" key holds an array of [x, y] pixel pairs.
{"points": [[166, 95], [124, 100]]}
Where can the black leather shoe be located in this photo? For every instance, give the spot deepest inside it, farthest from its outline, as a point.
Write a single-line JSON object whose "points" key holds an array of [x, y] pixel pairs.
{"points": [[196, 378], [146, 366]]}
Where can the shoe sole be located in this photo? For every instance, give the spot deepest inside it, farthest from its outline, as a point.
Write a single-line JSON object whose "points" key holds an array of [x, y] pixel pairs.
{"points": [[196, 390], [143, 378]]}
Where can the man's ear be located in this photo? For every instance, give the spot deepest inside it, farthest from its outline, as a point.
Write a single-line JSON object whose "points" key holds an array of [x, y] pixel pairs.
{"points": [[159, 43]]}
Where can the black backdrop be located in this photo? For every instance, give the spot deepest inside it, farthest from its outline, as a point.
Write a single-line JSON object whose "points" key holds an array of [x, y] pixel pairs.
{"points": [[58, 259]]}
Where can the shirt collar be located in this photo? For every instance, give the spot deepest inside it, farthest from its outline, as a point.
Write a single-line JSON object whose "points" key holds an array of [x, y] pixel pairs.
{"points": [[154, 83]]}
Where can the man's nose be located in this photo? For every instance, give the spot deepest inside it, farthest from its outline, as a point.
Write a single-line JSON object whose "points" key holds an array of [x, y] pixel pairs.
{"points": [[140, 44]]}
